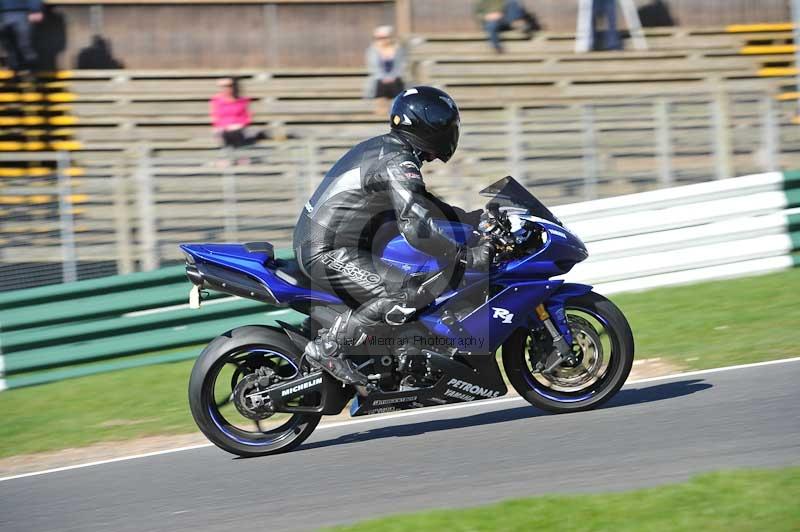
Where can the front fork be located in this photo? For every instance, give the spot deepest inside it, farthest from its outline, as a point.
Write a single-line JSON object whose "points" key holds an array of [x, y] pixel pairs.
{"points": [[562, 346]]}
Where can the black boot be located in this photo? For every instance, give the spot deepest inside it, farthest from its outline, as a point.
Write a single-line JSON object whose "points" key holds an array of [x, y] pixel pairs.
{"points": [[323, 353]]}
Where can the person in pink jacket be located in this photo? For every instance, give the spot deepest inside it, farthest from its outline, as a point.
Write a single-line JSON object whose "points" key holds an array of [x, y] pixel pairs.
{"points": [[230, 115]]}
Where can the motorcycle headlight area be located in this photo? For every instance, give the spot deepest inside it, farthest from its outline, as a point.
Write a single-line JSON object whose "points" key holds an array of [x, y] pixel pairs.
{"points": [[524, 226]]}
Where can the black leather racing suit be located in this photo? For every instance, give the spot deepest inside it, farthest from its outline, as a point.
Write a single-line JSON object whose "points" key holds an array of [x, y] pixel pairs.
{"points": [[372, 192]]}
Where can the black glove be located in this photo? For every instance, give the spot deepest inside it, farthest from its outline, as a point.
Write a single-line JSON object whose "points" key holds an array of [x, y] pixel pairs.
{"points": [[473, 218], [481, 256]]}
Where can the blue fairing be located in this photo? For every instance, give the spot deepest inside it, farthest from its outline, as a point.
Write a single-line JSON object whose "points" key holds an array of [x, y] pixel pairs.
{"points": [[518, 286], [398, 253], [558, 255]]}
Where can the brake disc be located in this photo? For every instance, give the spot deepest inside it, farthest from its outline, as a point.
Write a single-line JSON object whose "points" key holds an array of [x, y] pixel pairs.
{"points": [[249, 401], [588, 360]]}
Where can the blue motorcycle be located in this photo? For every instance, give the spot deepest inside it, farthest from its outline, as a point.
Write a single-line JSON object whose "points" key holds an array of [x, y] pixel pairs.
{"points": [[564, 347]]}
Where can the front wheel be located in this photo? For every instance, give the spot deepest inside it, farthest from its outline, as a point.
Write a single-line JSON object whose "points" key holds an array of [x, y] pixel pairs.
{"points": [[603, 342], [221, 387]]}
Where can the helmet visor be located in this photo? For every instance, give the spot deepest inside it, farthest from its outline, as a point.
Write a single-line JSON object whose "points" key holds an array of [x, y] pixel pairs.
{"points": [[448, 140], [442, 113]]}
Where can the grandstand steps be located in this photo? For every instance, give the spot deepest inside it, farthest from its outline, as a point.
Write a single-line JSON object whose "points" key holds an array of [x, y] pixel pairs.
{"points": [[134, 113], [768, 27], [199, 107], [768, 49], [53, 145], [7, 75], [331, 108], [576, 68], [26, 134], [45, 109], [633, 142], [660, 41], [210, 75], [545, 79], [12, 121], [28, 198], [684, 110], [663, 86], [152, 125], [36, 171], [552, 79], [775, 42], [204, 148], [35, 87], [34, 97], [33, 118], [541, 82], [775, 72]]}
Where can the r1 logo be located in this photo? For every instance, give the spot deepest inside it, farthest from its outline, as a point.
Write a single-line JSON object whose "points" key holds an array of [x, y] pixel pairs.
{"points": [[503, 314]]}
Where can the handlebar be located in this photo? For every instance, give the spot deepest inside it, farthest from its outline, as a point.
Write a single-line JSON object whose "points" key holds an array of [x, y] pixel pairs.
{"points": [[495, 226], [508, 240]]}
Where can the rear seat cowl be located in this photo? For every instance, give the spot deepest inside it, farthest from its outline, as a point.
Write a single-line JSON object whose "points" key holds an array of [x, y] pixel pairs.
{"points": [[261, 247]]}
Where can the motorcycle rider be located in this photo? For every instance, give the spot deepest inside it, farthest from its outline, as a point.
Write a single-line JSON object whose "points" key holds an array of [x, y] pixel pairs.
{"points": [[373, 190]]}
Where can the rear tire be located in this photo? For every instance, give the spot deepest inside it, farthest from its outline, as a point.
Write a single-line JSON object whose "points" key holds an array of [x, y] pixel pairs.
{"points": [[203, 392], [533, 386]]}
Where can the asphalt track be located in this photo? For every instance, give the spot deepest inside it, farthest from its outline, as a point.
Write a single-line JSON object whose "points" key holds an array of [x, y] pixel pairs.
{"points": [[653, 432]]}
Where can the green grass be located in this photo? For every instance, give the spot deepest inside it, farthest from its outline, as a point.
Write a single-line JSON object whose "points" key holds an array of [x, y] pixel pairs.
{"points": [[726, 502], [700, 326], [112, 406], [719, 323]]}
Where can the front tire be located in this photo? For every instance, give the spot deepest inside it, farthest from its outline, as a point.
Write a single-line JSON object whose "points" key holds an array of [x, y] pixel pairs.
{"points": [[223, 364], [605, 341]]}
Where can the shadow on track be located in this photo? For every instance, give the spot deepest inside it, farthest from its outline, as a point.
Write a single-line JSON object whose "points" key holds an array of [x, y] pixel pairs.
{"points": [[623, 398]]}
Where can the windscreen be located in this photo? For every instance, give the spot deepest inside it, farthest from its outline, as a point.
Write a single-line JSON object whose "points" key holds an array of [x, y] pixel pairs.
{"points": [[509, 193]]}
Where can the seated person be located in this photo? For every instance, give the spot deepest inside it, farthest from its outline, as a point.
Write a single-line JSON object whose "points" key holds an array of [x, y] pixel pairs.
{"points": [[500, 15], [386, 63], [230, 116]]}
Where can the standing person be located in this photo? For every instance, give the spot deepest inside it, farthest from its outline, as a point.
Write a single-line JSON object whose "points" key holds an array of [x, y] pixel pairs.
{"points": [[230, 115], [16, 18], [606, 9], [500, 15], [386, 63]]}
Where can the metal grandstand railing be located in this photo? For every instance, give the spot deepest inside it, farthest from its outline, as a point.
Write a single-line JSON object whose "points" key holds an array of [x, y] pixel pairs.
{"points": [[127, 211], [38, 207]]}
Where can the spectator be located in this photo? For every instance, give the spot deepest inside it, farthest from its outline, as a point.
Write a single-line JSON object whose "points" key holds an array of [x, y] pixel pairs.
{"points": [[606, 9], [97, 56], [386, 63], [230, 116], [500, 15], [16, 17]]}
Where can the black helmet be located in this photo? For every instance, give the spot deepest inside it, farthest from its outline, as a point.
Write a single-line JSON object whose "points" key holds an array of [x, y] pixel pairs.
{"points": [[428, 119]]}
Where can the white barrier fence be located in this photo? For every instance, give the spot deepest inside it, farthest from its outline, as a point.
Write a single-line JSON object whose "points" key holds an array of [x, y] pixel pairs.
{"points": [[716, 230]]}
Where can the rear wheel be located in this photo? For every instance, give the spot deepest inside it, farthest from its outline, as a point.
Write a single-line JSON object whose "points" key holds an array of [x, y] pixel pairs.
{"points": [[603, 343], [228, 370]]}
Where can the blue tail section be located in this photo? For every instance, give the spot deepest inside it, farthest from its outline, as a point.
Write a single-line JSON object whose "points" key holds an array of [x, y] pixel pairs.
{"points": [[252, 271]]}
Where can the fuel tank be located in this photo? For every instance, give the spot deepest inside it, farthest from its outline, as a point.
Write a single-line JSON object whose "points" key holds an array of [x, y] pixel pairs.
{"points": [[400, 254]]}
